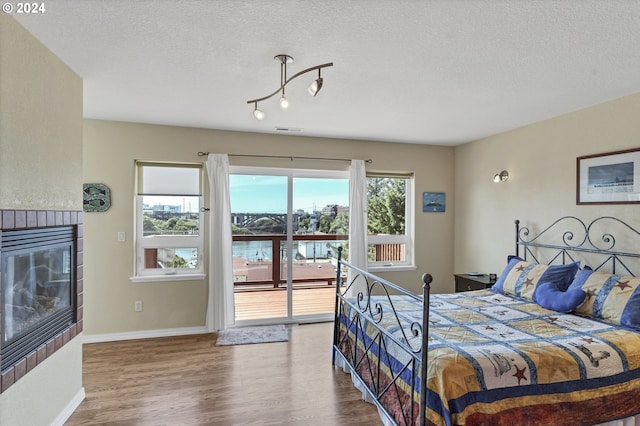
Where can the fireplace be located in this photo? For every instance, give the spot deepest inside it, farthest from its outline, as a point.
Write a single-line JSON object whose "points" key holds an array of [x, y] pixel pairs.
{"points": [[37, 288], [40, 287]]}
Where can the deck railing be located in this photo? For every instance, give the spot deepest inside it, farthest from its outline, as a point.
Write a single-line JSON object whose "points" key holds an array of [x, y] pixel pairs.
{"points": [[389, 252], [270, 266]]}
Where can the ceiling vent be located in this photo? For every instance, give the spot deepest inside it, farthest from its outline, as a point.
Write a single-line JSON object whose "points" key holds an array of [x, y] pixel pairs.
{"points": [[288, 129]]}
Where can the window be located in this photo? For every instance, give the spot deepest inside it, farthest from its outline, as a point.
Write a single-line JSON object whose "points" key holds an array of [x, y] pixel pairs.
{"points": [[169, 240], [389, 220]]}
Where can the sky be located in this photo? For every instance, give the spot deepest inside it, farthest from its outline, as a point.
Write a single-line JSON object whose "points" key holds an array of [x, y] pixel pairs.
{"points": [[268, 194]]}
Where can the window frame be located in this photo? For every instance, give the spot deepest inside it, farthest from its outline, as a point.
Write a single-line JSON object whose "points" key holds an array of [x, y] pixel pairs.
{"points": [[141, 242], [407, 239]]}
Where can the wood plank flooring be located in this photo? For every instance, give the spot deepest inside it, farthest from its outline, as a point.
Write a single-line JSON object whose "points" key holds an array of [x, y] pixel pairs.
{"points": [[273, 303], [188, 380]]}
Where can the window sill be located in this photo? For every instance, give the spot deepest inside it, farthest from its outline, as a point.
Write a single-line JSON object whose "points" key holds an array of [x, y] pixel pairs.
{"points": [[390, 268], [167, 277]]}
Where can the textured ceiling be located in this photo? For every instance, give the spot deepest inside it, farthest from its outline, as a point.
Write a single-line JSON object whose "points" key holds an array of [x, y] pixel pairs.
{"points": [[437, 72]]}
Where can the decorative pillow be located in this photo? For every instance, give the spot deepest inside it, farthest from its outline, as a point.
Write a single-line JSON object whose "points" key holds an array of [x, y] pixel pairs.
{"points": [[580, 278], [549, 296], [498, 287], [611, 298], [521, 278]]}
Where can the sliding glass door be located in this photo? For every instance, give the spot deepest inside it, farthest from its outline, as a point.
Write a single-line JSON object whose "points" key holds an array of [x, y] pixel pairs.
{"points": [[259, 224], [286, 225], [321, 224]]}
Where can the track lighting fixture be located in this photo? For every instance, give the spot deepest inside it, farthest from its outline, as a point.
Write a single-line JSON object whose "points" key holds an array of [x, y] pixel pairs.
{"points": [[284, 102]]}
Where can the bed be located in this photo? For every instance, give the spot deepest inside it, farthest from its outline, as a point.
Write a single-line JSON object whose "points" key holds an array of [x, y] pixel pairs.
{"points": [[556, 341]]}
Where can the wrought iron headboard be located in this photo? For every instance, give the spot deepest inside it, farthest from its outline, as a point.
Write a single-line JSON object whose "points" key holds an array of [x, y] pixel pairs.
{"points": [[569, 239]]}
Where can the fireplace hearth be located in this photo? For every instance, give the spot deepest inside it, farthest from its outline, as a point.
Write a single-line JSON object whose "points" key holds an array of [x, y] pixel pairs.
{"points": [[40, 287]]}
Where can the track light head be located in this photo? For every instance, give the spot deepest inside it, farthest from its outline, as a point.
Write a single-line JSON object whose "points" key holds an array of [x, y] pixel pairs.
{"points": [[284, 103], [258, 114], [315, 86]]}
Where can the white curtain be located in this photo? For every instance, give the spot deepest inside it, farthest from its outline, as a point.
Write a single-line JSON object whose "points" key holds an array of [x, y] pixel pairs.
{"points": [[357, 221], [220, 306]]}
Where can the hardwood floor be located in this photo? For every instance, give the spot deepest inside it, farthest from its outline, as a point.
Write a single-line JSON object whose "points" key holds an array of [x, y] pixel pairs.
{"points": [[188, 380]]}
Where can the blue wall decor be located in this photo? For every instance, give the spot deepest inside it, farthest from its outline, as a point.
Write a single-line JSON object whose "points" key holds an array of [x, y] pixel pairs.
{"points": [[433, 202]]}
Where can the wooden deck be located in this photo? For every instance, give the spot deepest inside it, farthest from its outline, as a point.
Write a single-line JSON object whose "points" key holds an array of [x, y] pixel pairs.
{"points": [[272, 303]]}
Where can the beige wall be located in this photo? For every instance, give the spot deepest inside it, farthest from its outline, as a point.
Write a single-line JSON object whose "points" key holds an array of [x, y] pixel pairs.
{"points": [[40, 143], [110, 149], [49, 394], [541, 160], [40, 168]]}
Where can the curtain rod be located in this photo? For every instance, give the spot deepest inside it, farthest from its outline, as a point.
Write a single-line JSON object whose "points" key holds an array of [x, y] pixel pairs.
{"points": [[203, 154]]}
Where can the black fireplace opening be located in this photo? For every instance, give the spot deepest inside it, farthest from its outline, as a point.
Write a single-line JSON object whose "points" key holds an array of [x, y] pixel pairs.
{"points": [[37, 288]]}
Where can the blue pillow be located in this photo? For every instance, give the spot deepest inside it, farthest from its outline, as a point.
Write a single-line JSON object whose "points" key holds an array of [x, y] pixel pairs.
{"points": [[549, 296], [520, 278], [631, 315], [580, 278], [562, 275]]}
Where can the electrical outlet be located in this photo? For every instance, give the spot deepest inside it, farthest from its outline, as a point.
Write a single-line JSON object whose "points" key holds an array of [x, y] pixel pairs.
{"points": [[138, 306], [121, 236]]}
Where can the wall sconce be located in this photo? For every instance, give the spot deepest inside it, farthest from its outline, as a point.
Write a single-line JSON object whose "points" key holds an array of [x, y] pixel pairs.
{"points": [[501, 177]]}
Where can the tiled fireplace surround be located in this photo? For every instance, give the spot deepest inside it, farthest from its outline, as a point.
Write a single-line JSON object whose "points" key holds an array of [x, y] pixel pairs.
{"points": [[24, 219]]}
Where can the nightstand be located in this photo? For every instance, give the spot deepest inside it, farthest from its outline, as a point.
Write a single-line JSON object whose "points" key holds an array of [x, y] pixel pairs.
{"points": [[466, 282]]}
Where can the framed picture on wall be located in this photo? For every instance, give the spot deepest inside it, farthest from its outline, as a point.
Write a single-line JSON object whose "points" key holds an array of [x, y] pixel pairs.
{"points": [[433, 202], [609, 178]]}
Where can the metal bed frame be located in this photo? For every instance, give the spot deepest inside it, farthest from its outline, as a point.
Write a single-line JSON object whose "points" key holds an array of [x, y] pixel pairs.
{"points": [[365, 313], [595, 237], [577, 239]]}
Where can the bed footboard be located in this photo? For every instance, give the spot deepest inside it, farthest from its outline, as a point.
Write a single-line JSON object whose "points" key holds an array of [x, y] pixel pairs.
{"points": [[370, 335]]}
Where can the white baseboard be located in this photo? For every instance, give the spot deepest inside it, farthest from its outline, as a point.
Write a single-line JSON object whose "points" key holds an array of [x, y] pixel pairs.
{"points": [[69, 409], [145, 334]]}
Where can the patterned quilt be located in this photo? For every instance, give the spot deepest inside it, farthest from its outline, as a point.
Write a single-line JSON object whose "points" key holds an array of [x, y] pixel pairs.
{"points": [[498, 360]]}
